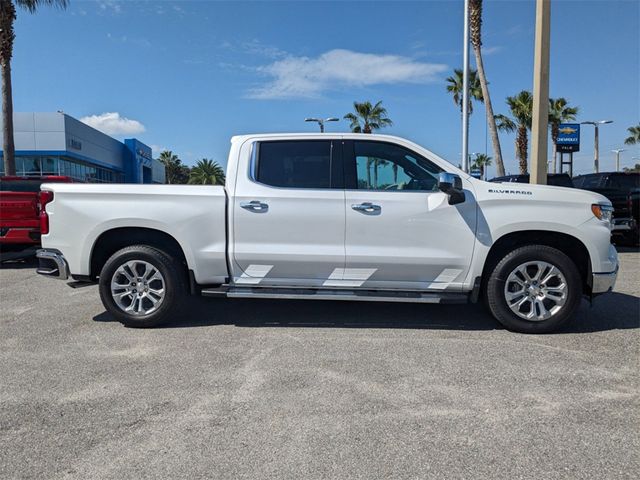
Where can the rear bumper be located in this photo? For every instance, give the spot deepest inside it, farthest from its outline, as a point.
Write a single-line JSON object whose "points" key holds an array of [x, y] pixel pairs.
{"points": [[19, 235], [52, 264], [603, 282]]}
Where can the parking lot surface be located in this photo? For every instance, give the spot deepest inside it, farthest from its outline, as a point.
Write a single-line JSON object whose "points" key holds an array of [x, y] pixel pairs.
{"points": [[282, 389]]}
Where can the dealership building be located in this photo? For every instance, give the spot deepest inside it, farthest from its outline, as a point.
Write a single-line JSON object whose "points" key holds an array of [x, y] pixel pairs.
{"points": [[58, 144]]}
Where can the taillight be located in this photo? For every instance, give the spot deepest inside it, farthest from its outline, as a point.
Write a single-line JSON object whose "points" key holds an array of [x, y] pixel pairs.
{"points": [[44, 197]]}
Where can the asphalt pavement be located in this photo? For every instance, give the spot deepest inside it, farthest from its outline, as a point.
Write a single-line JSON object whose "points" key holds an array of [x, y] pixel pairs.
{"points": [[290, 389]]}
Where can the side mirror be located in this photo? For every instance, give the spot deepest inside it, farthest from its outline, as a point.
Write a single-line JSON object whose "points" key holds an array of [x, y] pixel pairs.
{"points": [[451, 184]]}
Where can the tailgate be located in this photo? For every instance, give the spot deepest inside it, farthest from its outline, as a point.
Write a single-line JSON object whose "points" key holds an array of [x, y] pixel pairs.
{"points": [[18, 209]]}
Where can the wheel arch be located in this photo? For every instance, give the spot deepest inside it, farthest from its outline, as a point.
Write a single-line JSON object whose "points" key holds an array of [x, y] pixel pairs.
{"points": [[571, 246], [112, 240]]}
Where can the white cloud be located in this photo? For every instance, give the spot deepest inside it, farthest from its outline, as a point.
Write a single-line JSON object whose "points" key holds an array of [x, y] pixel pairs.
{"points": [[112, 123], [309, 77], [254, 47], [157, 149], [110, 6], [491, 50]]}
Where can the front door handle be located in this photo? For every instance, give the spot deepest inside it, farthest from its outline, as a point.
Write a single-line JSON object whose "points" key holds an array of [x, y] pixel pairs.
{"points": [[255, 206], [367, 207]]}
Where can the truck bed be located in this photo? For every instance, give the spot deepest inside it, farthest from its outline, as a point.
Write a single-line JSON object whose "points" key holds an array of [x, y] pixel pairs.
{"points": [[194, 215]]}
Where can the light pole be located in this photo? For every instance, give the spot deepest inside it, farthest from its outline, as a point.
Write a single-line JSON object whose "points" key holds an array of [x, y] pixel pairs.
{"points": [[596, 154], [320, 121], [617, 152], [465, 90]]}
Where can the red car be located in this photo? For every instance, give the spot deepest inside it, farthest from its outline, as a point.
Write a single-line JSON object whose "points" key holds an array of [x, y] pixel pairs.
{"points": [[20, 209]]}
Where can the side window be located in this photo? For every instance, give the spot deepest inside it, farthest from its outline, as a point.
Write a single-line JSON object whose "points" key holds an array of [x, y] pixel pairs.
{"points": [[590, 181], [388, 167], [294, 164], [625, 182]]}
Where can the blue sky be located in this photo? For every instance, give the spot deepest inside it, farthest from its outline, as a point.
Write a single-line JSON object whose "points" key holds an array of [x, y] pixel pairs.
{"points": [[187, 75]]}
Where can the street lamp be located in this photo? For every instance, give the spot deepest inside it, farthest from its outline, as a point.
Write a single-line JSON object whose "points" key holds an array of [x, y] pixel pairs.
{"points": [[596, 155], [617, 152], [320, 121]]}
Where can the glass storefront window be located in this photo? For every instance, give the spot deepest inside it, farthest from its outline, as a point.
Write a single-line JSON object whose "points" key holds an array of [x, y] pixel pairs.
{"points": [[37, 166], [19, 166], [49, 166], [32, 166]]}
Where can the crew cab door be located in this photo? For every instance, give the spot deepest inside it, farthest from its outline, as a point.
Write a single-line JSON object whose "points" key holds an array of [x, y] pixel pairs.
{"points": [[401, 231], [289, 214]]}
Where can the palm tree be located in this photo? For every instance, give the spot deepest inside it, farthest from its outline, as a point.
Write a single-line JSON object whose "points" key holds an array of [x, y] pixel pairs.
{"points": [[475, 31], [366, 117], [377, 162], [455, 88], [175, 171], [481, 162], [207, 172], [7, 36], [520, 106], [559, 113], [634, 138]]}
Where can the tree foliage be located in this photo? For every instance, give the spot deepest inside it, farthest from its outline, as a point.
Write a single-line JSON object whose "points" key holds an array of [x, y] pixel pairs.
{"points": [[481, 162], [634, 135], [454, 86], [366, 117], [521, 109], [176, 173], [207, 172]]}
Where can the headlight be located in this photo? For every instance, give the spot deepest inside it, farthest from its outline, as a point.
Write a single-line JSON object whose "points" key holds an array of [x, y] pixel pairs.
{"points": [[602, 212]]}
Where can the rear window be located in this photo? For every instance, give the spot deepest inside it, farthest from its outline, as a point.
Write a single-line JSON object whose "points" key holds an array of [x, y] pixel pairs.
{"points": [[20, 185], [587, 181], [560, 180], [294, 164], [624, 182]]}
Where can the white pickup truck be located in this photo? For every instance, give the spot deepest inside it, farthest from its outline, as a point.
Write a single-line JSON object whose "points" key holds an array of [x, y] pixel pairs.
{"points": [[333, 217]]}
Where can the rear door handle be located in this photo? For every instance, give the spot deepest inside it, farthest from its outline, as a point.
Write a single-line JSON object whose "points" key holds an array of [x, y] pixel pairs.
{"points": [[255, 206], [367, 207]]}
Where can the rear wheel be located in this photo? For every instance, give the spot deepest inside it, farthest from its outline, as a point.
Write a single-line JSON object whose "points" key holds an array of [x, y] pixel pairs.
{"points": [[534, 289], [142, 286]]}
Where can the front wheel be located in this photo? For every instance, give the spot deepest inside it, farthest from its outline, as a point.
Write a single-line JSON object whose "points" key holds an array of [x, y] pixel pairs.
{"points": [[534, 289], [141, 286]]}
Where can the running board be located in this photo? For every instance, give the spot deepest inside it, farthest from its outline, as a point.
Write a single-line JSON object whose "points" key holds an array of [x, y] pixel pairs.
{"points": [[336, 294]]}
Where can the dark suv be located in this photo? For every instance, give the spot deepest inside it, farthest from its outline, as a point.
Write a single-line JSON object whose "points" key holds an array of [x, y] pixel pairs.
{"points": [[623, 190], [555, 179]]}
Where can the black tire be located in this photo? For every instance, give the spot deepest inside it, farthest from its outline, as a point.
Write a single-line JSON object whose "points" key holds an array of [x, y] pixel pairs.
{"points": [[173, 275], [495, 291]]}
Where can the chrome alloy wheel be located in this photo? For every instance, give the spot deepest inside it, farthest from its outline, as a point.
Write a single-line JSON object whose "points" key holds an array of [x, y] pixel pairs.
{"points": [[137, 287], [536, 291]]}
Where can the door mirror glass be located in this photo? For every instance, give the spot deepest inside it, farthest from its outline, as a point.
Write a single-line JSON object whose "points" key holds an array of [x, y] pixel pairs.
{"points": [[451, 184]]}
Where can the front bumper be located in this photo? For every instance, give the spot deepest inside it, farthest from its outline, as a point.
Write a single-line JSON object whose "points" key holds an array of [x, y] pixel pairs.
{"points": [[51, 263], [623, 225], [603, 282]]}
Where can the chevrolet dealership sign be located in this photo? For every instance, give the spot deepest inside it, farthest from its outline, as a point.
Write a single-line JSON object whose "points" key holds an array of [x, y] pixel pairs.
{"points": [[568, 137]]}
